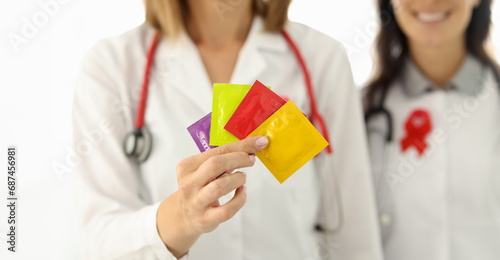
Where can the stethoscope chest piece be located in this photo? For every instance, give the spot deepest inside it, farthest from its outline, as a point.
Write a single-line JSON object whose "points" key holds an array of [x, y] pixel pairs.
{"points": [[138, 144]]}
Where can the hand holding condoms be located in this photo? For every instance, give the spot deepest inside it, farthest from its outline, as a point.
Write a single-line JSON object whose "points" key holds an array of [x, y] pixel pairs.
{"points": [[239, 111]]}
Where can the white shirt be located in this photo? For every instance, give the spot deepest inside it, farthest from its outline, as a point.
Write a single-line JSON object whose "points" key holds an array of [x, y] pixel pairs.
{"points": [[445, 204], [119, 200]]}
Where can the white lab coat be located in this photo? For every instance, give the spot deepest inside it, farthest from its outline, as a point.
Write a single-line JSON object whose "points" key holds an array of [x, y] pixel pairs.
{"points": [[444, 205], [118, 200]]}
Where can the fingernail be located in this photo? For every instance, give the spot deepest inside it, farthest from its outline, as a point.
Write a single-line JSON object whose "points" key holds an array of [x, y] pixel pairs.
{"points": [[252, 157], [244, 188], [263, 141], [245, 175]]}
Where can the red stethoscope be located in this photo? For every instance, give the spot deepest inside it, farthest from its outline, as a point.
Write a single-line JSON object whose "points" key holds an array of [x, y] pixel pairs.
{"points": [[139, 143]]}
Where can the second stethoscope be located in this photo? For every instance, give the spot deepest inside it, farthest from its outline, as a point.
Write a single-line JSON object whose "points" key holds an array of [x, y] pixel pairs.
{"points": [[138, 144]]}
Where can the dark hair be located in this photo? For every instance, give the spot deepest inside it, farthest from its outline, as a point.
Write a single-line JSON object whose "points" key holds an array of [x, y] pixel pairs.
{"points": [[392, 47]]}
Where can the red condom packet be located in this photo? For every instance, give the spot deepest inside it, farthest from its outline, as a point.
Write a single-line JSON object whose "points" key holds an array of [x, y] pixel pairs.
{"points": [[257, 106]]}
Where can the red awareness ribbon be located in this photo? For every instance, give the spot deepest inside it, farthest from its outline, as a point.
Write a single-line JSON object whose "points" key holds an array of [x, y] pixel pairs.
{"points": [[417, 126]]}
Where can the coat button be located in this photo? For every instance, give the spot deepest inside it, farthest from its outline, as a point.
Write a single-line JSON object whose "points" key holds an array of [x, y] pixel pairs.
{"points": [[385, 220]]}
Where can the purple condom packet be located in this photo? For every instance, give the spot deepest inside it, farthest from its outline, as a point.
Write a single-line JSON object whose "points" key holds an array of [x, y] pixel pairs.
{"points": [[200, 131]]}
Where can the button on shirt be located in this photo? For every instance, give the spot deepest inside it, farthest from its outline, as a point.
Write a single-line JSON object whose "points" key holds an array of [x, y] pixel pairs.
{"points": [[445, 203]]}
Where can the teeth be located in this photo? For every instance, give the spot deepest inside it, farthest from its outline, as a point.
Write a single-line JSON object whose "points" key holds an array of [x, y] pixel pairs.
{"points": [[431, 17]]}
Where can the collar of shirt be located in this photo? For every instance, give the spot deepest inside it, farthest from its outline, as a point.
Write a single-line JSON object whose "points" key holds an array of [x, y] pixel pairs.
{"points": [[467, 80]]}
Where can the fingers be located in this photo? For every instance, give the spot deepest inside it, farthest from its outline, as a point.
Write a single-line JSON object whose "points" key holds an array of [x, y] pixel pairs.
{"points": [[227, 211], [206, 177], [220, 187], [217, 165], [249, 145]]}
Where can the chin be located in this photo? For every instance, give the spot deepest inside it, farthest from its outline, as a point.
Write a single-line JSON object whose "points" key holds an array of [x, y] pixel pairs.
{"points": [[431, 42], [434, 39]]}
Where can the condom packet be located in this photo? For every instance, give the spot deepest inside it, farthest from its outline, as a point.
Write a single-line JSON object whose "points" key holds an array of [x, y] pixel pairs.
{"points": [[257, 106], [200, 131], [293, 141], [226, 99]]}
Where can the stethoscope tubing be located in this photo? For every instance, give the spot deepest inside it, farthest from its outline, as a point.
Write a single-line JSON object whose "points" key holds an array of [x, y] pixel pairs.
{"points": [[139, 123]]}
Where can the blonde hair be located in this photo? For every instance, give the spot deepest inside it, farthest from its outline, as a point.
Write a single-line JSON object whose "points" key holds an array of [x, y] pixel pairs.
{"points": [[169, 16]]}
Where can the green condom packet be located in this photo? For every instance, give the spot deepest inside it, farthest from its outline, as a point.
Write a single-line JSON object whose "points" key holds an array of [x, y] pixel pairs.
{"points": [[226, 98]]}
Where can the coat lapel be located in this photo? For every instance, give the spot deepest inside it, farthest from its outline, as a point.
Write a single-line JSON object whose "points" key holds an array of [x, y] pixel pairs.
{"points": [[181, 71], [251, 61]]}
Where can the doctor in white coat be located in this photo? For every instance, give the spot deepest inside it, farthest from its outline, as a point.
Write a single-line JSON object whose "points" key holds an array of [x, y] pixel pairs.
{"points": [[169, 207], [433, 122]]}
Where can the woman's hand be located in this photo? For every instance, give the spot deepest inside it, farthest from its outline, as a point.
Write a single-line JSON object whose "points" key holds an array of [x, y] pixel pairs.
{"points": [[194, 209]]}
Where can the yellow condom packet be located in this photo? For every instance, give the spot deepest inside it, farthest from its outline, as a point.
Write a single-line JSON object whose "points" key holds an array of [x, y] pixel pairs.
{"points": [[226, 99], [293, 141]]}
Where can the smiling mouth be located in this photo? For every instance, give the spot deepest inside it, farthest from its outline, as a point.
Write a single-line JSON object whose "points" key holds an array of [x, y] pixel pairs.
{"points": [[432, 17]]}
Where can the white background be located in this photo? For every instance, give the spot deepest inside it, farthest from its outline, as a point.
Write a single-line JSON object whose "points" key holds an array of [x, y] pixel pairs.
{"points": [[36, 85]]}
